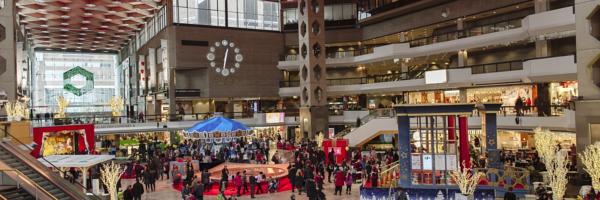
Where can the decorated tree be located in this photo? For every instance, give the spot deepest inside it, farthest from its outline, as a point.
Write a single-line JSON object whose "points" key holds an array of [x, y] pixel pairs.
{"points": [[591, 162], [62, 106], [110, 175], [466, 180], [554, 159]]}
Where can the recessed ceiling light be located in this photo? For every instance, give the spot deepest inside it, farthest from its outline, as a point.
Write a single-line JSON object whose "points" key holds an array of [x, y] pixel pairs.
{"points": [[107, 19], [64, 48], [65, 16], [88, 14], [84, 28], [64, 24], [104, 26], [101, 32], [93, 49], [82, 34], [64, 29], [48, 49], [45, 32], [44, 25], [65, 8], [90, 5], [85, 21]]}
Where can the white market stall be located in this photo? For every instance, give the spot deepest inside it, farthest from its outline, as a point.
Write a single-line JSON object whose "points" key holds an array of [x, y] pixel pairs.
{"points": [[82, 162]]}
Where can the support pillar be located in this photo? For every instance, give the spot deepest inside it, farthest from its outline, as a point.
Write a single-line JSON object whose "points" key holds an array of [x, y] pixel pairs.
{"points": [[404, 150], [84, 171], [451, 134], [462, 58], [491, 140], [314, 113], [8, 63], [463, 141]]}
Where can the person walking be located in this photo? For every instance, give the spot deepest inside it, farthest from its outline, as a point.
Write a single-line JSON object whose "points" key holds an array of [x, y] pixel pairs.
{"points": [[292, 176], [224, 178], [348, 182], [238, 183], [510, 195], [401, 194], [206, 180], [338, 182], [299, 180], [198, 191], [252, 184], [128, 193], [259, 180], [244, 182], [137, 190]]}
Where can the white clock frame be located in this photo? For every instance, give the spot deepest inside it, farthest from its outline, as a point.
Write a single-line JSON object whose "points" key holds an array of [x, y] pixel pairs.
{"points": [[224, 70]]}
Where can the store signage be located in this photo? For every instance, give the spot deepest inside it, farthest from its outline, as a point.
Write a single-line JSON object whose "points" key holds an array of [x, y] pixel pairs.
{"points": [[69, 86], [436, 76], [273, 118], [427, 161]]}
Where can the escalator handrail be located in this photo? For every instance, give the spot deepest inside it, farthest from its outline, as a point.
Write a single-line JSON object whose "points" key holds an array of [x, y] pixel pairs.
{"points": [[66, 190], [25, 178]]}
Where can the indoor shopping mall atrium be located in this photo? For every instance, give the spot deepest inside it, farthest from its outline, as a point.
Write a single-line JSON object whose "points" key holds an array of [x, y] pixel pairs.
{"points": [[318, 99]]}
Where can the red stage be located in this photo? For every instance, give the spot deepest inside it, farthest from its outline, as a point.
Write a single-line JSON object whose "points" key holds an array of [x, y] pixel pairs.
{"points": [[278, 172]]}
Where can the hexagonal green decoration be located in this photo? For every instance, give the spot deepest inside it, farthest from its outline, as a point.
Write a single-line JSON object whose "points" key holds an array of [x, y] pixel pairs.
{"points": [[89, 81]]}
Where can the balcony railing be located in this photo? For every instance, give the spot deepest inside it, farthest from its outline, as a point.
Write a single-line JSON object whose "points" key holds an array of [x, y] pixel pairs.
{"points": [[469, 32], [496, 67]]}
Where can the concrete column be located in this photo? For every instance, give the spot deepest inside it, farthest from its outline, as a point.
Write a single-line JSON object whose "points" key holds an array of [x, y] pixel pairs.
{"points": [[543, 102], [8, 74], [541, 5], [152, 66], [542, 48], [314, 115], [460, 24], [463, 95], [491, 139], [463, 56], [404, 151]]}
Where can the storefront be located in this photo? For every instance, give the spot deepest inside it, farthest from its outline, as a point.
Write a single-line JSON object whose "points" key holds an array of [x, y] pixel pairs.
{"points": [[337, 105], [383, 101], [525, 140], [127, 142], [434, 96], [63, 140], [563, 92], [507, 95]]}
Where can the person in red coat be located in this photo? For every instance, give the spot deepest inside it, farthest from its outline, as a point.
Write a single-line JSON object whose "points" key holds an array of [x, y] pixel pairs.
{"points": [[238, 182], [339, 182]]}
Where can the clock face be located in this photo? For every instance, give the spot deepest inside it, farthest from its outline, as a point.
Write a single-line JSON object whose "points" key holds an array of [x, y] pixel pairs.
{"points": [[224, 57]]}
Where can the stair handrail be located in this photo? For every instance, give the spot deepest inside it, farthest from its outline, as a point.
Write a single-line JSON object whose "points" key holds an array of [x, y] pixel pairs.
{"points": [[26, 179], [50, 163]]}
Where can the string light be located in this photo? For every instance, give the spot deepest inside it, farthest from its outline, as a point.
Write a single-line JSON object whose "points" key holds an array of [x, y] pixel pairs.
{"points": [[110, 174], [554, 159], [590, 158]]}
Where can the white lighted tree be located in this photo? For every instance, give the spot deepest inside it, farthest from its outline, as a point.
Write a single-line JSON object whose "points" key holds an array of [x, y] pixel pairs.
{"points": [[591, 162], [116, 104], [16, 110], [554, 159], [466, 179], [110, 174], [62, 106]]}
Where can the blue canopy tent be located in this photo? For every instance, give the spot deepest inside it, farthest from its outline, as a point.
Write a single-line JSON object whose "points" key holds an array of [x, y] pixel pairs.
{"points": [[217, 129]]}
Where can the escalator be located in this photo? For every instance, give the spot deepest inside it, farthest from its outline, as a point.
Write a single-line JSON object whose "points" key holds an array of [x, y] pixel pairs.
{"points": [[378, 122], [52, 184], [15, 193]]}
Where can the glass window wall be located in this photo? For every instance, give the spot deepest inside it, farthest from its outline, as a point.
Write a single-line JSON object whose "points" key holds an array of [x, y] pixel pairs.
{"points": [[335, 12], [250, 14]]}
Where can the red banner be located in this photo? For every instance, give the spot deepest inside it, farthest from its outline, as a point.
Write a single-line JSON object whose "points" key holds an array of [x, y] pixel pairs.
{"points": [[63, 140], [339, 149]]}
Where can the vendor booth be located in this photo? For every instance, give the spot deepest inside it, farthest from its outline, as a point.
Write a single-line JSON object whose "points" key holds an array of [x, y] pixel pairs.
{"points": [[217, 130], [63, 140]]}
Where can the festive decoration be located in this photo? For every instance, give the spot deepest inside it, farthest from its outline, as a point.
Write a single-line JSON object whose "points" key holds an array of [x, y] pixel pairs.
{"points": [[466, 179], [110, 174], [590, 158], [116, 105], [62, 106], [16, 111], [554, 159], [68, 85]]}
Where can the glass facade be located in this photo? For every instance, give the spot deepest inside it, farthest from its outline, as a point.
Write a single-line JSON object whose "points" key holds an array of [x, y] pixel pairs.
{"points": [[249, 14], [48, 77], [335, 12]]}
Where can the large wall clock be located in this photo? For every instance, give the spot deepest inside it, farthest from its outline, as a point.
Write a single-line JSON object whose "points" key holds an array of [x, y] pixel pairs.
{"points": [[231, 60]]}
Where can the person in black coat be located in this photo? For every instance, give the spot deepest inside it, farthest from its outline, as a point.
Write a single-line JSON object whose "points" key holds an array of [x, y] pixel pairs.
{"points": [[198, 191], [138, 190], [205, 179], [128, 194], [509, 195], [252, 184], [292, 177]]}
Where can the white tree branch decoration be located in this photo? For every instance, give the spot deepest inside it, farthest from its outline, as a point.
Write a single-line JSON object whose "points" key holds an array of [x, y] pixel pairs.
{"points": [[466, 179], [554, 159], [591, 162], [110, 174]]}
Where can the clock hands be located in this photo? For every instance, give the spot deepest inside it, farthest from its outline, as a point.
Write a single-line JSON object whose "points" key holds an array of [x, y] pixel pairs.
{"points": [[225, 60]]}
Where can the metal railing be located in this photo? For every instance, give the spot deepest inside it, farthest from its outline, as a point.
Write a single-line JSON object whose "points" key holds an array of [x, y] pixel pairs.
{"points": [[469, 32], [496, 67], [22, 178]]}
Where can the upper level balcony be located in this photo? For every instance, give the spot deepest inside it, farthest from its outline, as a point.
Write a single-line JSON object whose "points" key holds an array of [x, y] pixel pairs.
{"points": [[559, 68], [550, 22]]}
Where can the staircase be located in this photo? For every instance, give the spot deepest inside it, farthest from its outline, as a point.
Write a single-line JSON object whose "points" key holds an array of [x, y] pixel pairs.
{"points": [[15, 193], [378, 122], [9, 159]]}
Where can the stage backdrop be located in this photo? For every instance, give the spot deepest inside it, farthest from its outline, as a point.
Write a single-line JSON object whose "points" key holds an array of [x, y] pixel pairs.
{"points": [[60, 137], [339, 149]]}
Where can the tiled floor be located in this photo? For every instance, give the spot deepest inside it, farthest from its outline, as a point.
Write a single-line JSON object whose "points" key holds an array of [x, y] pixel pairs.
{"points": [[165, 191]]}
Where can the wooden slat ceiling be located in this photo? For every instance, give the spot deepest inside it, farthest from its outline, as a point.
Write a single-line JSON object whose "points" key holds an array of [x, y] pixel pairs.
{"points": [[89, 25]]}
